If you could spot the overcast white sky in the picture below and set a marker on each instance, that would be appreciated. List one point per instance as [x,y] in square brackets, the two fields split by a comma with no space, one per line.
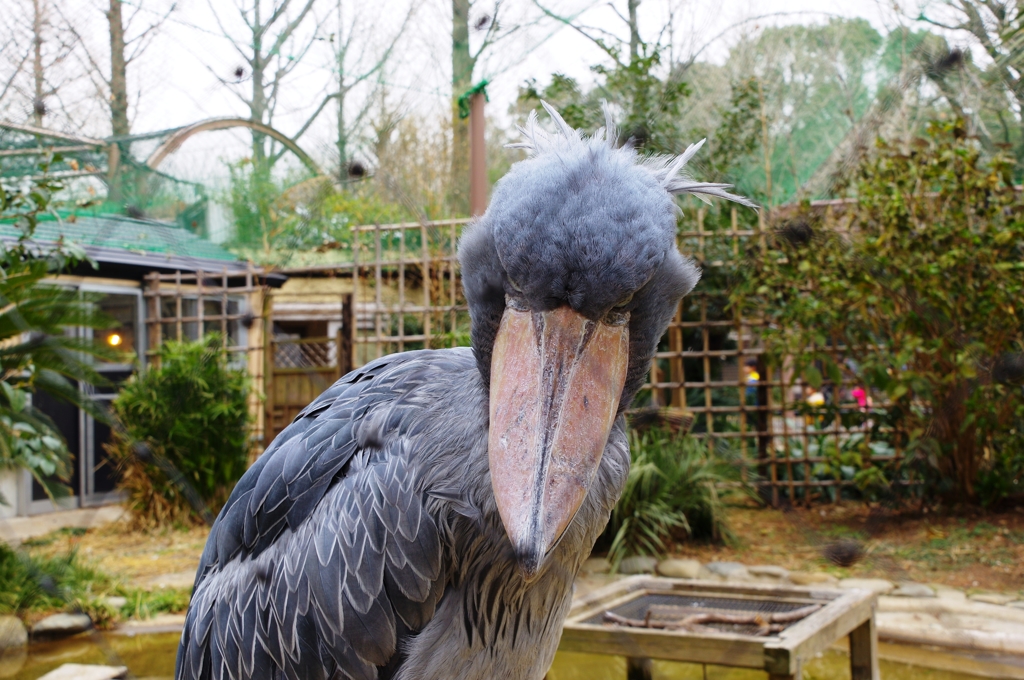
[179,79]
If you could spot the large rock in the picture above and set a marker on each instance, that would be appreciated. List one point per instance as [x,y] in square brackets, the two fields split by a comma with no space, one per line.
[638,564]
[78,671]
[769,571]
[812,578]
[875,585]
[12,633]
[730,571]
[679,568]
[913,590]
[61,625]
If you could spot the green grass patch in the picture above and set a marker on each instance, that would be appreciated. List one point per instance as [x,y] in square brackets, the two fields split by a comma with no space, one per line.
[33,584]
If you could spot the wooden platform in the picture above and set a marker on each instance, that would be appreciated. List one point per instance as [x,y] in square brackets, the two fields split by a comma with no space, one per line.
[781,653]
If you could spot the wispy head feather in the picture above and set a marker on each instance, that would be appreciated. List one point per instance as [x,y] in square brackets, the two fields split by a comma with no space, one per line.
[669,171]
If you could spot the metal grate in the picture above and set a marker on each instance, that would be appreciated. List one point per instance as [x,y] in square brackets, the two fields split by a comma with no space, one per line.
[656,605]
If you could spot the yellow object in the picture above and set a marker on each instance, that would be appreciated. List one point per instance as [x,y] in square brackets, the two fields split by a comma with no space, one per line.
[114,339]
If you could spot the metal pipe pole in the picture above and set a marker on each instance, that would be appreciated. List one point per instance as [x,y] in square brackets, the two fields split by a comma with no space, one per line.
[477,156]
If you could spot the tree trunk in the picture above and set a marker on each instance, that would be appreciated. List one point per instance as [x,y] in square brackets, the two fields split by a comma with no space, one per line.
[342,132]
[342,135]
[258,103]
[118,97]
[634,32]
[38,103]
[462,80]
[118,73]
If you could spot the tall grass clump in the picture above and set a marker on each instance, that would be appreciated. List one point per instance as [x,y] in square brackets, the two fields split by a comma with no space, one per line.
[44,583]
[191,414]
[671,492]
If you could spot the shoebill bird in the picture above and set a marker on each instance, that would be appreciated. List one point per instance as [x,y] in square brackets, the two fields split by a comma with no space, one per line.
[425,516]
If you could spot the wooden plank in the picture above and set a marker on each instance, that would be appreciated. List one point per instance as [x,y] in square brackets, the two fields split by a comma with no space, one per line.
[818,631]
[723,650]
[639,669]
[610,592]
[760,590]
[864,651]
[603,606]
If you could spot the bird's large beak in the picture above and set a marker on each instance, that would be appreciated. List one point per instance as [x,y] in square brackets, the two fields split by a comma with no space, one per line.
[556,380]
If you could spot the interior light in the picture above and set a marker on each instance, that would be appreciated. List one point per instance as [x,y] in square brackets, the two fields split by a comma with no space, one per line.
[114,339]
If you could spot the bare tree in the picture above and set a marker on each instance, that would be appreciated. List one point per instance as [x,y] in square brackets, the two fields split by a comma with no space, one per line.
[998,26]
[271,47]
[129,37]
[36,50]
[361,46]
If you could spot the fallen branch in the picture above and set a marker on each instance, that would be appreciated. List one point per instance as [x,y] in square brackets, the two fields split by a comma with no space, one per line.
[766,623]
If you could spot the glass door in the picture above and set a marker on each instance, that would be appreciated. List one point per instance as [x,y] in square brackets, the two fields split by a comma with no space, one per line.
[98,474]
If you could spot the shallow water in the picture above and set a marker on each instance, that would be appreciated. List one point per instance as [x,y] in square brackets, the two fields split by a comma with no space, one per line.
[152,656]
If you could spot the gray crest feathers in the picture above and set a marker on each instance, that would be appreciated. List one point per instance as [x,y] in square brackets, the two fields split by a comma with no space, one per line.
[669,171]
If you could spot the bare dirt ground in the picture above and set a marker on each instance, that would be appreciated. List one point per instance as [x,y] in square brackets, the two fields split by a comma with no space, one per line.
[973,550]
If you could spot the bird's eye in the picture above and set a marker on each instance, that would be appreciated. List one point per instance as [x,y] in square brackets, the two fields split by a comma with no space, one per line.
[516,302]
[515,286]
[622,305]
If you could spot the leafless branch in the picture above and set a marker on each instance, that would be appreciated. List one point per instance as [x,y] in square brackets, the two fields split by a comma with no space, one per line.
[582,31]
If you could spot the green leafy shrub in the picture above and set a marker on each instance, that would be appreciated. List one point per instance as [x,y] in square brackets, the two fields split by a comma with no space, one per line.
[671,491]
[191,411]
[924,295]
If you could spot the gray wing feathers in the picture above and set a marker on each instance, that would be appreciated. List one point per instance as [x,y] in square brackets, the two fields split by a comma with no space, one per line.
[355,553]
[368,552]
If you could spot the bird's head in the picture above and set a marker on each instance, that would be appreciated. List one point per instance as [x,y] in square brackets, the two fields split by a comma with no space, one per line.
[572,276]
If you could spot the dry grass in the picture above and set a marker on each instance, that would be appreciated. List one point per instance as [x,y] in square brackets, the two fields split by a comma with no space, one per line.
[141,558]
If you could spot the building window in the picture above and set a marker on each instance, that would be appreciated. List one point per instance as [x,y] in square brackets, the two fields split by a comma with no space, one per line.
[124,336]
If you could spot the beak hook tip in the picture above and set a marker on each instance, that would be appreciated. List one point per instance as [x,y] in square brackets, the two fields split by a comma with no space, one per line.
[529,563]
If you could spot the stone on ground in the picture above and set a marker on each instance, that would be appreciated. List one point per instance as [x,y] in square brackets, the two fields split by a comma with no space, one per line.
[115,601]
[61,625]
[876,585]
[1019,604]
[944,592]
[730,571]
[993,598]
[769,571]
[596,565]
[812,578]
[679,568]
[78,671]
[12,633]
[638,564]
[913,590]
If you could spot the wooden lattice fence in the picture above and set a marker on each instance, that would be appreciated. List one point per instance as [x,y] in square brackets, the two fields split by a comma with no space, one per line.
[407,294]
